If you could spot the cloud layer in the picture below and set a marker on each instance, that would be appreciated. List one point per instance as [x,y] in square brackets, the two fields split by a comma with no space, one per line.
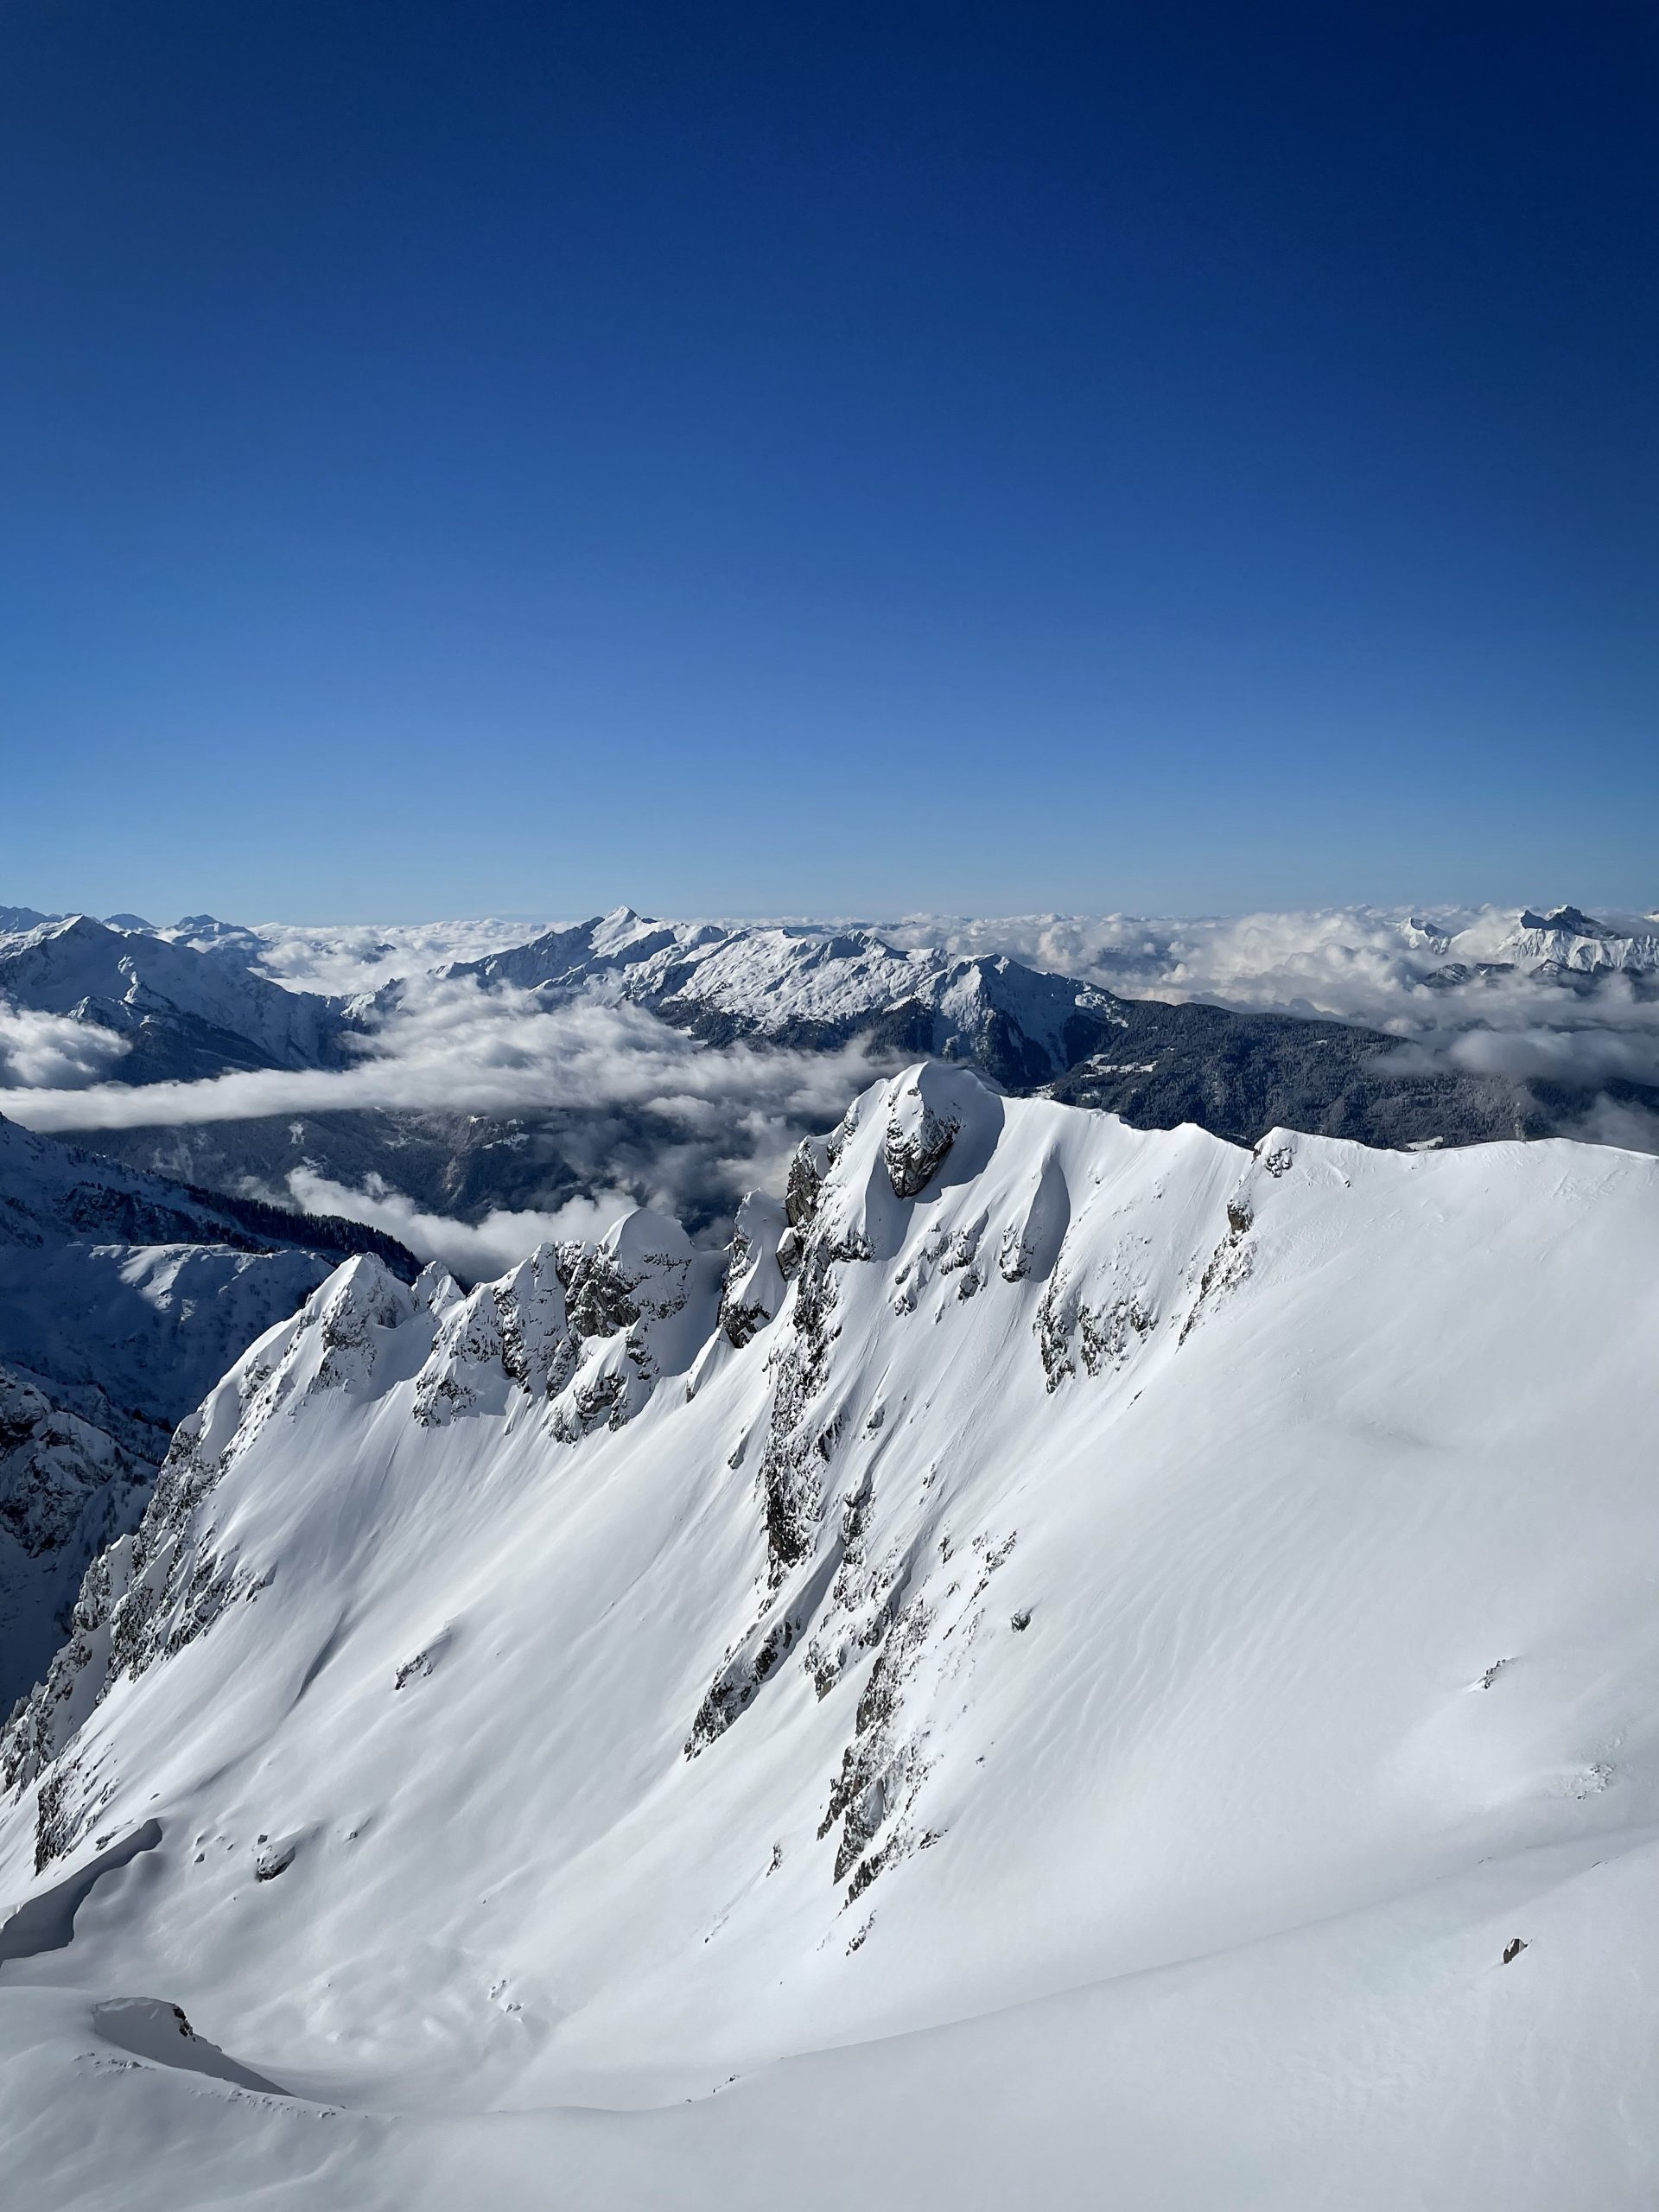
[455,1047]
[48,1050]
[472,1251]
[631,1110]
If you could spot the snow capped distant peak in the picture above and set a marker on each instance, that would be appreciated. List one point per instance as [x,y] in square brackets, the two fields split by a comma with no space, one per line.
[1570,919]
[182,1011]
[1567,937]
[17,921]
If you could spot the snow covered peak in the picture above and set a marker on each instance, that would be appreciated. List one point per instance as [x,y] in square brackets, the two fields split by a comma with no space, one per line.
[816,989]
[645,1241]
[1062,1566]
[181,1012]
[1564,937]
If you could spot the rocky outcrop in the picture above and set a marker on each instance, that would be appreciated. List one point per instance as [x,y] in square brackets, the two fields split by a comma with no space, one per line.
[918,1138]
[753,1287]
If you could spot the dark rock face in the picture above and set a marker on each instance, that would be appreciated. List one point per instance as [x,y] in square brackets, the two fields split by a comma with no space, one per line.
[53,1468]
[916,1149]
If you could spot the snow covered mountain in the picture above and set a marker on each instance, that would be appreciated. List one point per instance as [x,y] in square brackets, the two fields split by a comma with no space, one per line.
[1156,1063]
[55,1193]
[123,1299]
[169,1011]
[1088,1666]
[437,1104]
[817,989]
[1564,938]
[1355,963]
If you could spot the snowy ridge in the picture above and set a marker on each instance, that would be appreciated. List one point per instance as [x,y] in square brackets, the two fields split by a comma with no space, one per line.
[1056,1558]
[1567,938]
[815,988]
[172,1009]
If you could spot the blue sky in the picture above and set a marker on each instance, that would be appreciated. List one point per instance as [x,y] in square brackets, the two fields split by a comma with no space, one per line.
[834,459]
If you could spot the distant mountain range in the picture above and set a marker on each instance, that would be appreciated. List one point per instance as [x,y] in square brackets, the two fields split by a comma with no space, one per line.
[189,1002]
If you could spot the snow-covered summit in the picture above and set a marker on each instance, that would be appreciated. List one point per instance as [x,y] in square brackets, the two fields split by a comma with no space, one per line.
[1134,1619]
[1564,937]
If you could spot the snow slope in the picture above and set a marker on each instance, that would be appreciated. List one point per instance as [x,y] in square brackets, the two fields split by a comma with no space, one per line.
[123,1298]
[1059,1681]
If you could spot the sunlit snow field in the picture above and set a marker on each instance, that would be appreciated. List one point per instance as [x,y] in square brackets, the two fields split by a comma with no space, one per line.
[1074,1707]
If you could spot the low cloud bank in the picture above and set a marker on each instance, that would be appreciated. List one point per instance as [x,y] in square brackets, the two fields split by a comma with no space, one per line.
[1388,969]
[49,1050]
[474,1250]
[619,1108]
[1353,963]
[622,1110]
[454,1047]
[344,961]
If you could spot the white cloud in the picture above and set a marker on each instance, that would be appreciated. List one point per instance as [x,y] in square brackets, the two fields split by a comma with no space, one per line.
[637,1111]
[347,959]
[54,1050]
[474,1250]
[1371,965]
[455,1047]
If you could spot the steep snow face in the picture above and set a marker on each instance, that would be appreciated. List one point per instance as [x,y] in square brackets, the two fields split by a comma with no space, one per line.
[105,1347]
[123,1298]
[1198,1598]
[181,1011]
[51,1191]
[129,1293]
[141,1330]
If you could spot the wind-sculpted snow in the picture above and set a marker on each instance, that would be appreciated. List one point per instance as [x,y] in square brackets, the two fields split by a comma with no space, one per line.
[585,1330]
[1195,1597]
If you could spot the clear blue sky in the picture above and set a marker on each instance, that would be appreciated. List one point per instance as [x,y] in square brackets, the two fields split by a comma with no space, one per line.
[518,457]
